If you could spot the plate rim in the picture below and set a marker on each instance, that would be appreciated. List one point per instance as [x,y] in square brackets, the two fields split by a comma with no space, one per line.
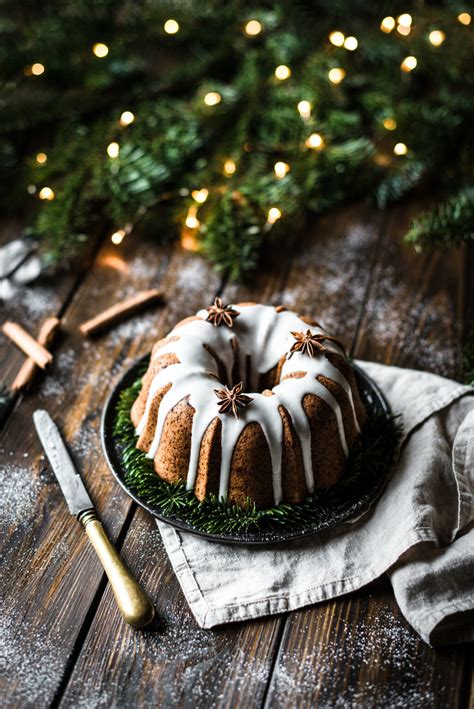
[106,434]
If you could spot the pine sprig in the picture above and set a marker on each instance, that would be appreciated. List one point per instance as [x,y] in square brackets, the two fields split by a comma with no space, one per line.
[399,183]
[449,224]
[367,462]
[178,143]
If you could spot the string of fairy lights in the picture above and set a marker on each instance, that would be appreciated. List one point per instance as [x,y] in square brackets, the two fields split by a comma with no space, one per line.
[403,25]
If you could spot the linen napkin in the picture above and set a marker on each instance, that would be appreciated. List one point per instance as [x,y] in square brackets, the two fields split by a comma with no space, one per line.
[419,532]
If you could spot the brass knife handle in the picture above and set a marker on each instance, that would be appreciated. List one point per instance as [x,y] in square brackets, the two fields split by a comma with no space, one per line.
[134,605]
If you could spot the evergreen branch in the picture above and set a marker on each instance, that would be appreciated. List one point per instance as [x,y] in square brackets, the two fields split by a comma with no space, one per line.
[179,143]
[449,224]
[399,183]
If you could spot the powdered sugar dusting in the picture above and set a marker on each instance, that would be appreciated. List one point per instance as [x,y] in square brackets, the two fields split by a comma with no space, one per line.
[193,284]
[384,647]
[35,301]
[335,266]
[417,329]
[32,661]
[138,326]
[177,659]
[194,275]
[19,490]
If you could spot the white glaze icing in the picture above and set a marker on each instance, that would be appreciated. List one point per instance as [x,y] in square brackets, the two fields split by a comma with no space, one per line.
[264,334]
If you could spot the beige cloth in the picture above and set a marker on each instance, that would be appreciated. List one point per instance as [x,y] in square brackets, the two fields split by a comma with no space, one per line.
[419,532]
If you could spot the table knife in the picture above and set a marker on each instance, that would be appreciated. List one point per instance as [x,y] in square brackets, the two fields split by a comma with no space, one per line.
[133,603]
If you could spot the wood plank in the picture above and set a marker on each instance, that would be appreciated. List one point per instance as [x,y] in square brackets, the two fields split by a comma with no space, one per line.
[325,275]
[51,574]
[230,666]
[176,663]
[32,303]
[415,311]
[358,650]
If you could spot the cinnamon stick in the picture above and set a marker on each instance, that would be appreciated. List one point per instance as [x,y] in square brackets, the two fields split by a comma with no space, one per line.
[27,344]
[119,311]
[28,368]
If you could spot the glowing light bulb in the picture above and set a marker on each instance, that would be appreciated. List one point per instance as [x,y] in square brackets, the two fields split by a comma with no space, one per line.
[253,28]
[200,196]
[387,24]
[41,158]
[192,222]
[437,37]
[229,167]
[35,69]
[404,30]
[464,18]
[336,75]
[400,149]
[113,150]
[282,72]
[280,169]
[304,109]
[118,236]
[390,124]
[100,50]
[408,64]
[382,159]
[171,27]
[189,242]
[212,98]
[405,20]
[274,214]
[31,189]
[351,43]
[314,141]
[337,38]
[126,118]
[46,193]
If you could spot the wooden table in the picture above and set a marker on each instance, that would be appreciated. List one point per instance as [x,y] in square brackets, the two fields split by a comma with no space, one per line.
[64,641]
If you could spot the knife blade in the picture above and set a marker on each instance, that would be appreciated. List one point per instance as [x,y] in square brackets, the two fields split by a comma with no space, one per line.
[132,601]
[69,480]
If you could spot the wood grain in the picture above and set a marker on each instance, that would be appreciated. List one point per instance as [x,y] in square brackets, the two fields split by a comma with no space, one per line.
[176,663]
[53,576]
[359,650]
[325,275]
[236,671]
[414,313]
[31,304]
[65,641]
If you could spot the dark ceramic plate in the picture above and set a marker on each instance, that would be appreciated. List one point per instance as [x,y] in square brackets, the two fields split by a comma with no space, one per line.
[334,512]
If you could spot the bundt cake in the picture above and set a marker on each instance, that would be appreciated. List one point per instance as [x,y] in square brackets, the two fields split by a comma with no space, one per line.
[248,402]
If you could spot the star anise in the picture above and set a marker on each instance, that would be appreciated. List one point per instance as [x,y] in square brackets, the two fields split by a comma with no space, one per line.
[232,399]
[310,342]
[220,313]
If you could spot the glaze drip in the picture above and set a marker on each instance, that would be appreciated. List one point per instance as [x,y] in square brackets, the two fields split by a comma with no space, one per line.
[265,335]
